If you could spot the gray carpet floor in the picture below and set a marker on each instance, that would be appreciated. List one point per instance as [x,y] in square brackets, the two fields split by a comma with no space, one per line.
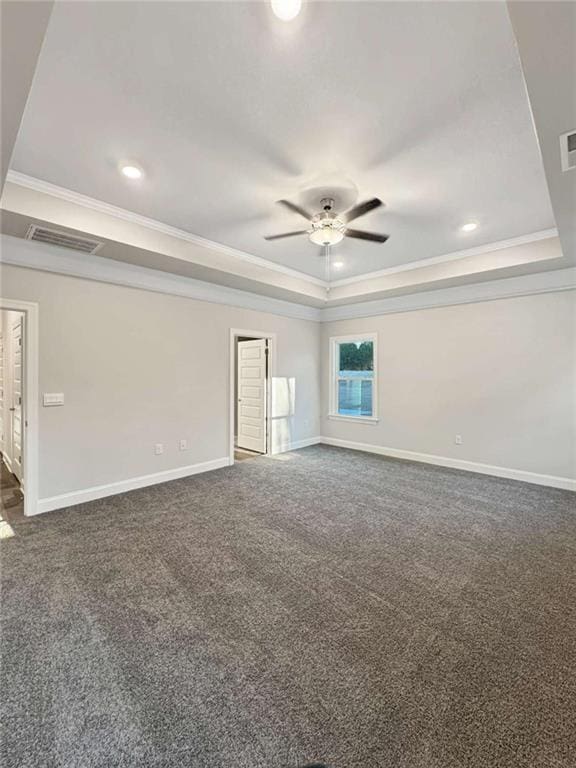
[324,605]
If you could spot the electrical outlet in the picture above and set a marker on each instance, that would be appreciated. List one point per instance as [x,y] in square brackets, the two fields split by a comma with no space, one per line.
[183,444]
[458,439]
[158,449]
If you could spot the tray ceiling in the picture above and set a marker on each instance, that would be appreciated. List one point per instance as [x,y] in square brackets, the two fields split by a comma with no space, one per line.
[228,109]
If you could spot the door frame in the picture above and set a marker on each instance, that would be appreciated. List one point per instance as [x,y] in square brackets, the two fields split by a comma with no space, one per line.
[30,443]
[271,339]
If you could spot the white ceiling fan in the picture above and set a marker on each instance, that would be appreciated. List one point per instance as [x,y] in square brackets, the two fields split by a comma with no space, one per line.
[327,227]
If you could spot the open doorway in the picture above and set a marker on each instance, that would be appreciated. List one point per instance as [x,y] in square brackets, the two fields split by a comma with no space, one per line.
[12,362]
[251,373]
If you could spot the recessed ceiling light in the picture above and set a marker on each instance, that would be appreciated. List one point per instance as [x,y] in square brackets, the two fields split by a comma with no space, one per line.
[286,10]
[338,264]
[469,227]
[131,172]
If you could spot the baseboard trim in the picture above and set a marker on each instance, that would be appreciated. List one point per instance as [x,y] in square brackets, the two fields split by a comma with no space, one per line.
[565,483]
[294,445]
[111,489]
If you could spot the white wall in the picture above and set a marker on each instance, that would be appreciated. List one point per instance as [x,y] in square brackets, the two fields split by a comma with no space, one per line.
[500,373]
[139,368]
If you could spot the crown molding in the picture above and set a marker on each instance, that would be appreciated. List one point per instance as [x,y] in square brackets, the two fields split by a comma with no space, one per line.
[472,293]
[45,187]
[23,253]
[479,250]
[38,185]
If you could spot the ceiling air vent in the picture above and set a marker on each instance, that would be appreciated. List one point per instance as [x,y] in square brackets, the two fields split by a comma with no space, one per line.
[568,150]
[62,239]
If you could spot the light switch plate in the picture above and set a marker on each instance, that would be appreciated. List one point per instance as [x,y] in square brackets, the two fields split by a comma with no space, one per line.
[53,398]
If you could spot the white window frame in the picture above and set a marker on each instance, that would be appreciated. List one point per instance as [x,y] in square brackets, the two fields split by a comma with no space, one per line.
[335,341]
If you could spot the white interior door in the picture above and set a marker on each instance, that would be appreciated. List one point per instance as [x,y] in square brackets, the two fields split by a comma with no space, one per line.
[16,392]
[2,435]
[252,379]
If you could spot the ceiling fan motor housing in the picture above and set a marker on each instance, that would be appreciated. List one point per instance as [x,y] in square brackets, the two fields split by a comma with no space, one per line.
[327,203]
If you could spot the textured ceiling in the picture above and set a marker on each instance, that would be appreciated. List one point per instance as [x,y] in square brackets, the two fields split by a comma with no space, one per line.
[228,109]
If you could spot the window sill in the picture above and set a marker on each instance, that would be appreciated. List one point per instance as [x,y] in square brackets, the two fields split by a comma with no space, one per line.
[354,419]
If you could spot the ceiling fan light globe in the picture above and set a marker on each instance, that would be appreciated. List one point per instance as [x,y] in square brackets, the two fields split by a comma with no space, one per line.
[286,10]
[326,236]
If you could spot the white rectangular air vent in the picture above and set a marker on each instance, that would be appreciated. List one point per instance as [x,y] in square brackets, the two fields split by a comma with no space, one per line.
[568,150]
[62,239]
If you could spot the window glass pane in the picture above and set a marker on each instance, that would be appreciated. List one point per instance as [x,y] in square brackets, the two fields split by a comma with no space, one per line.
[355,397]
[355,375]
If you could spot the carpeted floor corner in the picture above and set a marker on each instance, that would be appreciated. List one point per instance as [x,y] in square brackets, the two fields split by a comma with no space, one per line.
[320,606]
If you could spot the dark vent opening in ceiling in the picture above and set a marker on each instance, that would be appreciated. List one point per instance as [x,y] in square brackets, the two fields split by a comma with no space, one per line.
[61,239]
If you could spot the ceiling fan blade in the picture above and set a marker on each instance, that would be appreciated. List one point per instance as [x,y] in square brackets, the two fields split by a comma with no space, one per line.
[286,234]
[362,208]
[295,208]
[359,235]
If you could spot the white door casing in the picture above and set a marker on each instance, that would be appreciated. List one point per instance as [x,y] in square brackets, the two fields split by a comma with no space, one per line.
[30,313]
[16,396]
[252,394]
